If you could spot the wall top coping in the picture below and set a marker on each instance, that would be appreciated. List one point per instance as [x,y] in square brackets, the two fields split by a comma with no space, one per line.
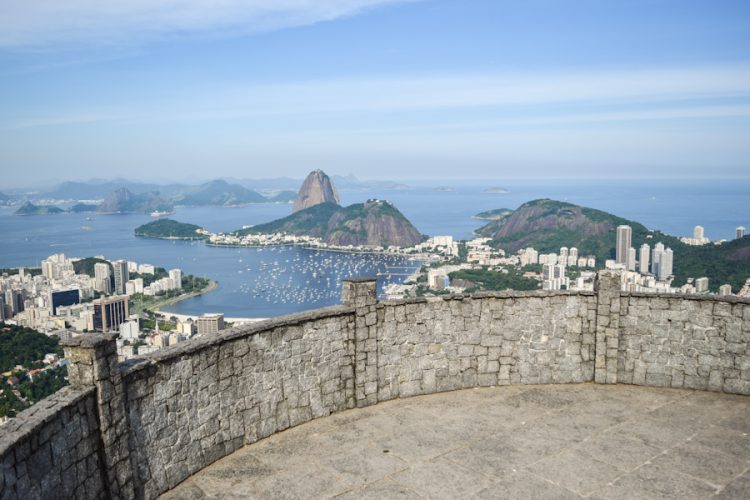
[505,294]
[364,279]
[89,340]
[28,421]
[200,343]
[688,296]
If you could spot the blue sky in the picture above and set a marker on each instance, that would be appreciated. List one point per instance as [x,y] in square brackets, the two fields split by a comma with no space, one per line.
[179,90]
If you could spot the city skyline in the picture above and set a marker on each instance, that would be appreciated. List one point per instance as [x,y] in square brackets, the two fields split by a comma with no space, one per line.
[377,88]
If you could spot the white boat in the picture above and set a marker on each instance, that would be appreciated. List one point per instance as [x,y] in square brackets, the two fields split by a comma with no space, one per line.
[157,213]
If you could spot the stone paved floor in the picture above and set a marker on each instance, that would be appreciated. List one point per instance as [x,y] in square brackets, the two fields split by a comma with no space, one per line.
[512,442]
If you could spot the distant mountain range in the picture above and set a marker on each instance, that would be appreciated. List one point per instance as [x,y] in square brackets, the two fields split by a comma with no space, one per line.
[121,195]
[546,225]
[222,193]
[98,189]
[123,201]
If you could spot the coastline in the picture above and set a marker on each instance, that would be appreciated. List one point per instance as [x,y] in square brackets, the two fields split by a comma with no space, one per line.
[174,238]
[212,285]
[185,317]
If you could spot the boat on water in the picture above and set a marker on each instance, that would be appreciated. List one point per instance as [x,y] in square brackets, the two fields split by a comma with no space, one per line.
[157,213]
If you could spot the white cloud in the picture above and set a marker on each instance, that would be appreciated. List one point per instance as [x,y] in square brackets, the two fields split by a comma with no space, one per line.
[384,105]
[473,91]
[45,23]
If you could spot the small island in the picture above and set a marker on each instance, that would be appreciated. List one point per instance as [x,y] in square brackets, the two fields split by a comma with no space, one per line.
[168,229]
[29,208]
[82,207]
[496,190]
[496,214]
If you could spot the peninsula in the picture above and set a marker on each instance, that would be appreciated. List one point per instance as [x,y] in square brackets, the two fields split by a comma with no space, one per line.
[168,229]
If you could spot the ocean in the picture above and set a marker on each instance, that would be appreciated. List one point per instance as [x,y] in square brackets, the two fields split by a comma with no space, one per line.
[280,280]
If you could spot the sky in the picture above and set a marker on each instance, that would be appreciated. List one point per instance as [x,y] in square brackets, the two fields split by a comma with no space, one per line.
[176,90]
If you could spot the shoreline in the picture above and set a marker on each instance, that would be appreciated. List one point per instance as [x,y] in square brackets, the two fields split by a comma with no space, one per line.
[172,238]
[194,317]
[157,308]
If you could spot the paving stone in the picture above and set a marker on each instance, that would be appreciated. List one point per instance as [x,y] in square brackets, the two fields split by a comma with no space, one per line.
[576,471]
[522,485]
[440,479]
[655,482]
[707,464]
[380,490]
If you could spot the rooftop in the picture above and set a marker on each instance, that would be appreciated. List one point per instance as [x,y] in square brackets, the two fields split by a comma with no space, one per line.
[563,441]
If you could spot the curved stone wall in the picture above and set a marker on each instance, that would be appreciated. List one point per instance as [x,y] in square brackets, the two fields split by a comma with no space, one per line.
[165,416]
[53,449]
[200,401]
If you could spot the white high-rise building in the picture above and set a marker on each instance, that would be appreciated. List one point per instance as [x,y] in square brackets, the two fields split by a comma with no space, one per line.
[644,258]
[701,285]
[624,237]
[102,281]
[666,264]
[121,275]
[725,289]
[176,276]
[698,233]
[661,261]
[631,259]
[529,256]
[740,232]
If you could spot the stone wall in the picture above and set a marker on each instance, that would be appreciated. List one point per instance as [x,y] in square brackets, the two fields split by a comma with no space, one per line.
[52,450]
[492,339]
[196,403]
[156,420]
[688,342]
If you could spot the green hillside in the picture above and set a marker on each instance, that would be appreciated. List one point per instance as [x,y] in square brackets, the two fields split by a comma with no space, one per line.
[374,223]
[169,229]
[547,225]
[312,221]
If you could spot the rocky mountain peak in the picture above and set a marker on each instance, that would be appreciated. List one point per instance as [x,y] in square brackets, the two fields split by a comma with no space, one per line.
[317,188]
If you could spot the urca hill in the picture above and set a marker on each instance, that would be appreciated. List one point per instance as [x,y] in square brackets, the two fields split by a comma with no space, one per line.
[318,214]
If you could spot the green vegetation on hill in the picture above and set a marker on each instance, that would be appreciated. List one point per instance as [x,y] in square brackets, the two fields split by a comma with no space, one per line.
[45,383]
[486,279]
[169,229]
[311,221]
[82,207]
[24,346]
[31,271]
[547,225]
[496,214]
[372,223]
[29,208]
[86,266]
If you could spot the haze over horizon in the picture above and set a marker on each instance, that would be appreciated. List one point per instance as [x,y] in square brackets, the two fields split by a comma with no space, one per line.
[382,89]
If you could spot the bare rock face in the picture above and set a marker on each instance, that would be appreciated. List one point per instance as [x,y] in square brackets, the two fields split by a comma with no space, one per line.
[373,223]
[316,189]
